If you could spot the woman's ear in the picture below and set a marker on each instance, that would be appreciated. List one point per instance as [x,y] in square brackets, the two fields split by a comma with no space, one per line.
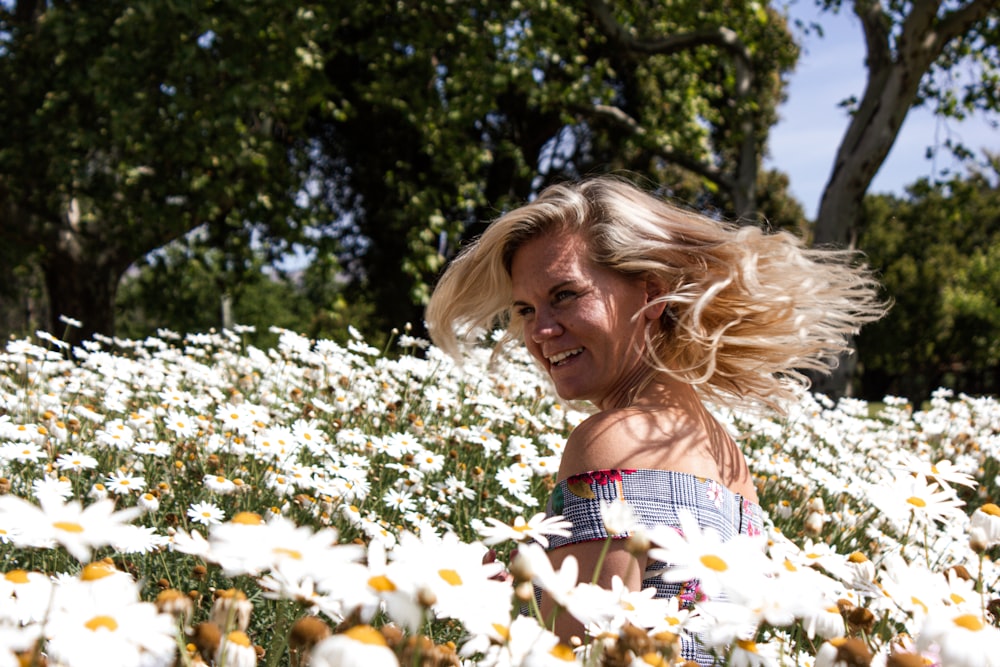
[655,291]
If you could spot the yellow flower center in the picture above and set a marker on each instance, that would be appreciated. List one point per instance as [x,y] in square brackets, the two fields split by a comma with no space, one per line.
[232,593]
[991,509]
[95,571]
[916,502]
[68,526]
[105,622]
[655,659]
[713,562]
[291,553]
[747,645]
[563,652]
[502,631]
[969,622]
[366,634]
[451,576]
[237,637]
[247,519]
[857,557]
[16,576]
[382,584]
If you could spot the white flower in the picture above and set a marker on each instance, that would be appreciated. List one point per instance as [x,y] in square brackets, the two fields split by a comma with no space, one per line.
[913,496]
[737,567]
[987,519]
[360,646]
[193,543]
[963,639]
[76,528]
[401,501]
[219,484]
[180,423]
[95,627]
[76,461]
[121,483]
[248,545]
[536,528]
[236,650]
[60,488]
[205,513]
[24,596]
[148,502]
[447,574]
[139,539]
[619,518]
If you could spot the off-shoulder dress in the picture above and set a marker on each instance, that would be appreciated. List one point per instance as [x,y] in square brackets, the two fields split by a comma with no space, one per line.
[655,496]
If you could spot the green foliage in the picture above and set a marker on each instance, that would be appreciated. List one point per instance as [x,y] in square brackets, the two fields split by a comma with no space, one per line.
[135,122]
[452,111]
[182,289]
[938,254]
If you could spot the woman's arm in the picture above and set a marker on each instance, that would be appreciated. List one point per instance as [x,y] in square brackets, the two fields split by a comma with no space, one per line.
[618,561]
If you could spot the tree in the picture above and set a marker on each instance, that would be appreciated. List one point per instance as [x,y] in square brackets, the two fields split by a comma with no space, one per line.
[451,111]
[129,123]
[938,253]
[918,53]
[181,288]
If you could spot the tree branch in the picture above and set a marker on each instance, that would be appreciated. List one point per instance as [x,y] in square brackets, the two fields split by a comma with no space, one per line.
[720,36]
[623,120]
[875,25]
[742,183]
[957,22]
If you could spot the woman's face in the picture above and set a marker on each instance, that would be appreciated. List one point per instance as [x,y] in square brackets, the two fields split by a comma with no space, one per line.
[578,318]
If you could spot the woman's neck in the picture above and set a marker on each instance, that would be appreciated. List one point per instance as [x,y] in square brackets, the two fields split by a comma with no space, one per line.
[647,387]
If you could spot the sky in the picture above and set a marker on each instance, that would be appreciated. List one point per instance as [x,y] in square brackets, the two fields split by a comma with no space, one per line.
[830,69]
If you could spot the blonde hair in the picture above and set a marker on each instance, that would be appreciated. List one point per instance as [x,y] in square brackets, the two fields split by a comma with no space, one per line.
[746,311]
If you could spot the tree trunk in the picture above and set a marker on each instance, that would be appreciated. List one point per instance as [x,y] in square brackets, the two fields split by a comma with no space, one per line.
[892,88]
[83,289]
[893,84]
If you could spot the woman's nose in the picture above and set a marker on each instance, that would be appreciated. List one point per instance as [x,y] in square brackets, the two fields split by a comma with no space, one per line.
[544,326]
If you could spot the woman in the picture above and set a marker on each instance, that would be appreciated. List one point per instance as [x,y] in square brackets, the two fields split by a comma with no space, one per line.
[645,310]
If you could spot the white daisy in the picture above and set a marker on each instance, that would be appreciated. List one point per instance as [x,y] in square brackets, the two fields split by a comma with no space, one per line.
[76,461]
[536,528]
[76,528]
[121,483]
[205,513]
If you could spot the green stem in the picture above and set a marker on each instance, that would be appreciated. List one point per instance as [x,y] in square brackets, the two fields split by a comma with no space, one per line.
[982,587]
[280,637]
[600,560]
[185,659]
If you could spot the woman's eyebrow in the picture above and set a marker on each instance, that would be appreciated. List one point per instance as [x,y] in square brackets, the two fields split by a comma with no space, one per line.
[552,290]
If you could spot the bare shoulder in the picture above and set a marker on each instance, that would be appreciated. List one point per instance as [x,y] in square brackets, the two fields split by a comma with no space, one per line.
[621,438]
[658,439]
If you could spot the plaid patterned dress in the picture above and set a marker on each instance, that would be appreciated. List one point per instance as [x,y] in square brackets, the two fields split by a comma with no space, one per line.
[655,497]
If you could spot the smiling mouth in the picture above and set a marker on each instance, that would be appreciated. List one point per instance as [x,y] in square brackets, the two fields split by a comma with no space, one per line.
[560,357]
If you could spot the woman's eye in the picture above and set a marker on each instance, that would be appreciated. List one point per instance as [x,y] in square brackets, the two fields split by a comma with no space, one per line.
[525,311]
[562,296]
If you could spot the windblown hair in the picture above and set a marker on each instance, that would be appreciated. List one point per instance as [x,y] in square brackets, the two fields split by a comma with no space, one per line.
[746,311]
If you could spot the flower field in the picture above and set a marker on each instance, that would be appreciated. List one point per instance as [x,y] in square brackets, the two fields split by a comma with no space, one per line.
[193,500]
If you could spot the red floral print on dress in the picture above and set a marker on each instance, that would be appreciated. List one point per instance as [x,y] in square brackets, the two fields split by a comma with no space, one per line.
[600,477]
